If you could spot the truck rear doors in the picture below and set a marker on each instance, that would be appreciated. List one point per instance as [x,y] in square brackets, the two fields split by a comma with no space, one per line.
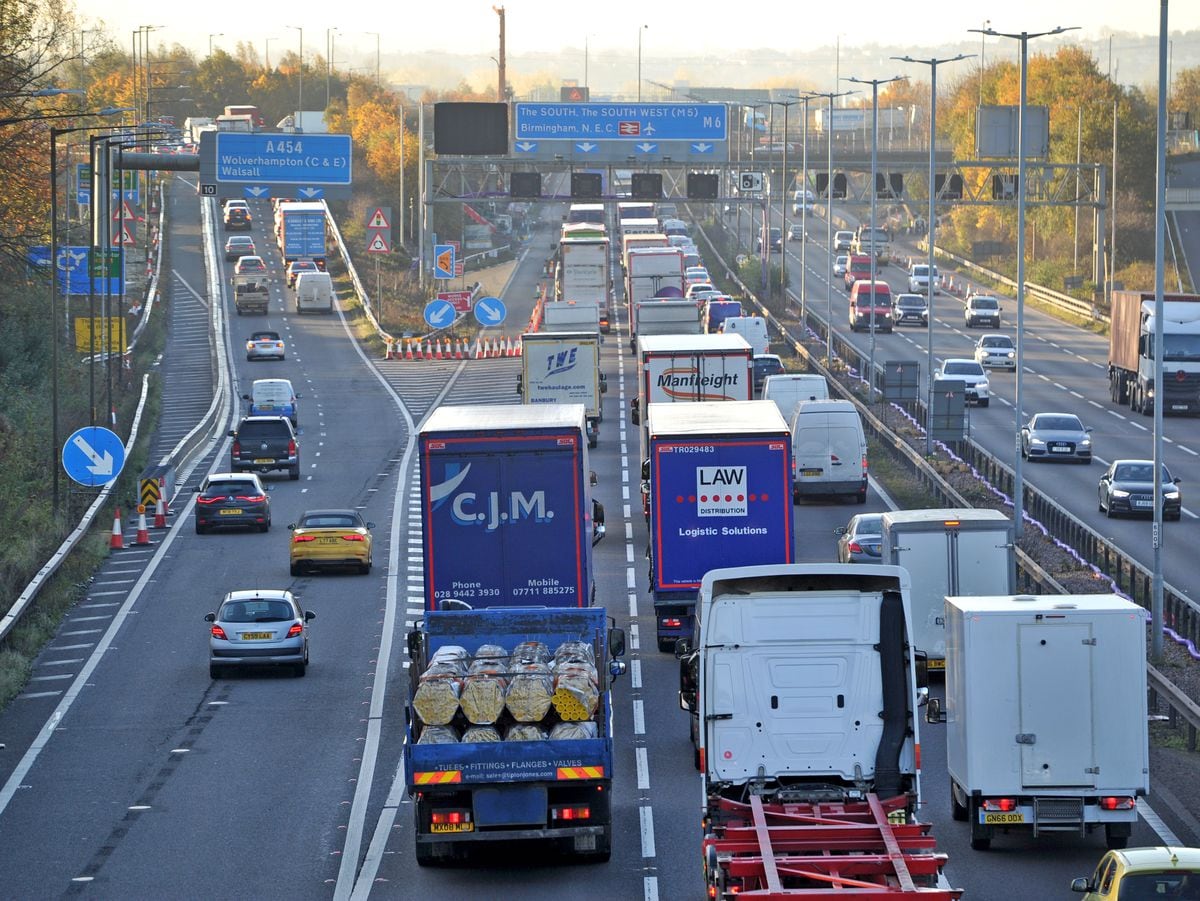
[1056,739]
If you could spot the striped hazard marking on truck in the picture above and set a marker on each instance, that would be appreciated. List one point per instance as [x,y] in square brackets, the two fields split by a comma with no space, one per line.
[581,772]
[442,777]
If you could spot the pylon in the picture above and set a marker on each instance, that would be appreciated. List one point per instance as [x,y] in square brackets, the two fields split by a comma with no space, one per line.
[387,354]
[520,346]
[487,348]
[418,355]
[408,353]
[160,514]
[117,541]
[508,347]
[458,351]
[478,350]
[428,350]
[437,350]
[143,534]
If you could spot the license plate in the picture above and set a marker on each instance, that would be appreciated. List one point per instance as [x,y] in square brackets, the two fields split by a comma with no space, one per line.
[443,828]
[936,663]
[255,636]
[811,472]
[266,406]
[1060,450]
[1141,503]
[1003,819]
[327,541]
[1179,406]
[263,460]
[231,512]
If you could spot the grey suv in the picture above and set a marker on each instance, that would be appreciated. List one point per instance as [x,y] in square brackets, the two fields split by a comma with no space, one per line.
[264,443]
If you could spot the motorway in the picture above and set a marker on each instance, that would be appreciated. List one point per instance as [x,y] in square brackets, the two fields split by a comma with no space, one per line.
[129,773]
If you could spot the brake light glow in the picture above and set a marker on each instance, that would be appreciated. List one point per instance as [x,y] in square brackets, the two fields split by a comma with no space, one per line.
[299,539]
[354,537]
[672,622]
[450,816]
[237,448]
[208,501]
[570,813]
[1004,805]
[218,632]
[855,548]
[295,630]
[251,498]
[292,448]
[1116,803]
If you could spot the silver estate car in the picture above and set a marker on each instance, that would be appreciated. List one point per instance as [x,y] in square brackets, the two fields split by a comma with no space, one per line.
[259,627]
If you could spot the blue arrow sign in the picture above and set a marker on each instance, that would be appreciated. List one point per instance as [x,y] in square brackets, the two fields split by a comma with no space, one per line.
[586,146]
[311,193]
[621,121]
[645,147]
[526,147]
[439,313]
[269,158]
[702,147]
[93,456]
[256,192]
[490,311]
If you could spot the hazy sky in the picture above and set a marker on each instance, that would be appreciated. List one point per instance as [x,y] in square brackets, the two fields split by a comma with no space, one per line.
[611,26]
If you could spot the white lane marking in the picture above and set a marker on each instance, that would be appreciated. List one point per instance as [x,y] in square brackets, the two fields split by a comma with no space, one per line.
[1115,413]
[630,578]
[1154,821]
[643,769]
[635,674]
[1187,450]
[639,717]
[1076,394]
[633,607]
[29,695]
[1096,405]
[52,678]
[635,641]
[71,647]
[646,815]
[629,552]
[1138,425]
[60,662]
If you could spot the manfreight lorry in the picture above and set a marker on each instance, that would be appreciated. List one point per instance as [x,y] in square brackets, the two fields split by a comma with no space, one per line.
[251,293]
[583,275]
[506,509]
[300,228]
[653,272]
[1131,363]
[500,744]
[571,316]
[720,477]
[1045,714]
[803,687]
[564,368]
[663,317]
[960,551]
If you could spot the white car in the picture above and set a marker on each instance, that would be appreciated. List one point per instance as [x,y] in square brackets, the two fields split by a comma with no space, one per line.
[842,240]
[839,264]
[996,350]
[698,289]
[971,373]
[918,279]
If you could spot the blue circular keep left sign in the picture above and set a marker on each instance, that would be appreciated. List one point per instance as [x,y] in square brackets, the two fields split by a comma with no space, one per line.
[93,456]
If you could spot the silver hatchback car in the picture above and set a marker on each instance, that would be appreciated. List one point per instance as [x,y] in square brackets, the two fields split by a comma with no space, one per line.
[259,627]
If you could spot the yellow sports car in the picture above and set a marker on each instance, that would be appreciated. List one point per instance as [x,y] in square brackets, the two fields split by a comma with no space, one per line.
[330,538]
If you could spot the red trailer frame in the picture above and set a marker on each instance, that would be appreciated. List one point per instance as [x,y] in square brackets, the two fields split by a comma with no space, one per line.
[867,849]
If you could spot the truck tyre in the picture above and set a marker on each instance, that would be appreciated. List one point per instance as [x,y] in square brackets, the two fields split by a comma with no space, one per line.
[294,473]
[426,854]
[295,569]
[981,836]
[860,498]
[958,812]
[666,645]
[1116,836]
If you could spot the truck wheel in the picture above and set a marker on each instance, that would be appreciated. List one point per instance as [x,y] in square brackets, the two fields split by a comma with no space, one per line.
[426,854]
[294,473]
[958,812]
[860,498]
[666,645]
[1116,836]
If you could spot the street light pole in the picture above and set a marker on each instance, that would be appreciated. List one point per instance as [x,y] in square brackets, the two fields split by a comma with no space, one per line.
[300,86]
[931,228]
[377,80]
[639,88]
[218,34]
[1024,37]
[329,33]
[1160,199]
[874,83]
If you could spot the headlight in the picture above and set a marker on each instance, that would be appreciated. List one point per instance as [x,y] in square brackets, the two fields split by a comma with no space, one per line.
[1086,442]
[1171,494]
[1037,441]
[1120,492]
[1011,354]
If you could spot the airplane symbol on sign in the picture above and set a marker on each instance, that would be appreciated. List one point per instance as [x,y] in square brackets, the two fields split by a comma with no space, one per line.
[629,128]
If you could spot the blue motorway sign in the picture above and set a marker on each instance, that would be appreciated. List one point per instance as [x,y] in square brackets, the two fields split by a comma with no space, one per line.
[588,122]
[439,313]
[83,183]
[73,268]
[268,158]
[490,311]
[93,456]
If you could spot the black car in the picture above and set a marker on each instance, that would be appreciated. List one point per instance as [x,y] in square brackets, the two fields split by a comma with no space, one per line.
[774,239]
[765,365]
[232,499]
[1127,486]
[265,443]
[910,308]
[237,218]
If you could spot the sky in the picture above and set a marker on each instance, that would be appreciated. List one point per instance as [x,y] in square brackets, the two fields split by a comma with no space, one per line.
[611,28]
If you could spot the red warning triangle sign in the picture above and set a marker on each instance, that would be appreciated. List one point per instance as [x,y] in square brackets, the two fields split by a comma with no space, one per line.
[125,236]
[125,211]
[378,219]
[378,243]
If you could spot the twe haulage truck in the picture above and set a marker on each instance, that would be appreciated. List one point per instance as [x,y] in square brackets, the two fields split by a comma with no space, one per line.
[509,729]
[564,368]
[803,687]
[1131,357]
[962,551]
[1045,714]
[506,511]
[720,495]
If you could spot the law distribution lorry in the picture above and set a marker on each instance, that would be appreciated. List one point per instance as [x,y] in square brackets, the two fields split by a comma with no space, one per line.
[510,779]
[564,368]
[961,551]
[506,510]
[1045,714]
[720,478]
[584,275]
[803,688]
[300,229]
[1130,356]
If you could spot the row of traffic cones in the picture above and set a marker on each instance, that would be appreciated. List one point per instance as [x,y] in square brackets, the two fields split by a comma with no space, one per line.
[117,541]
[452,349]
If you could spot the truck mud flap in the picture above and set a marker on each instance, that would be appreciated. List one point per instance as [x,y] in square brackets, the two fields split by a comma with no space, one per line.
[896,711]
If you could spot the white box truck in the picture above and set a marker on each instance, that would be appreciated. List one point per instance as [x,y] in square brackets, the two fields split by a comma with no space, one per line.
[583,274]
[959,551]
[571,316]
[663,317]
[563,368]
[1045,714]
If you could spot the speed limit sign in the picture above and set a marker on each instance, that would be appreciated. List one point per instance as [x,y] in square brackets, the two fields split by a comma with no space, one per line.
[750,182]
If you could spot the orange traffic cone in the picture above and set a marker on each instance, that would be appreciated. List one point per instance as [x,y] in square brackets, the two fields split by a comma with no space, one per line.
[143,534]
[487,348]
[418,355]
[160,514]
[408,353]
[437,350]
[520,346]
[117,541]
[387,354]
[509,350]
[458,351]
[478,350]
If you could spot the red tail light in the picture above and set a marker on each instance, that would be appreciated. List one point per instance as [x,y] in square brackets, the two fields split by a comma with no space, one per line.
[291,448]
[854,547]
[570,813]
[354,537]
[208,501]
[237,448]
[450,816]
[218,632]
[295,630]
[1117,803]
[1004,805]
[672,622]
[299,539]
[864,462]
[252,498]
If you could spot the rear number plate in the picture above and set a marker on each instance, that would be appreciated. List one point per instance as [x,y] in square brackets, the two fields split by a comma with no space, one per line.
[263,460]
[1003,819]
[255,636]
[451,827]
[936,663]
[231,512]
[810,472]
[327,541]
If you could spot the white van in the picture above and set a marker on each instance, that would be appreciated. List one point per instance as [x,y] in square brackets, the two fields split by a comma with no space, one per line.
[314,291]
[829,450]
[752,328]
[789,388]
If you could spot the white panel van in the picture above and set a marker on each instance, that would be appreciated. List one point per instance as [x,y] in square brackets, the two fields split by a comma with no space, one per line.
[789,388]
[829,450]
[752,328]
[314,291]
